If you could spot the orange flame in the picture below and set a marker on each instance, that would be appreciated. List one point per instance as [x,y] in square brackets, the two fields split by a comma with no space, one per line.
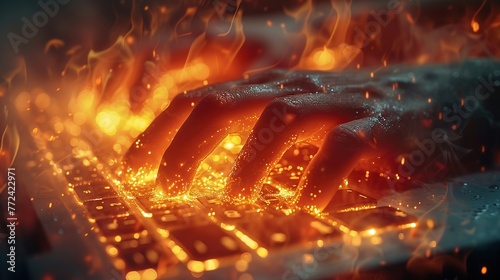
[9,143]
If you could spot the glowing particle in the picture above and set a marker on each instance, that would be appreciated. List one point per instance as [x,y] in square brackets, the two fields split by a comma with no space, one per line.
[112,251]
[484,270]
[278,237]
[133,275]
[211,264]
[22,102]
[324,58]
[149,274]
[262,252]
[196,266]
[42,101]
[241,265]
[474,23]
[130,40]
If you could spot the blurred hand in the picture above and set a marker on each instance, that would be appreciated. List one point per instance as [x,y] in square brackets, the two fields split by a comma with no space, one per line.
[351,115]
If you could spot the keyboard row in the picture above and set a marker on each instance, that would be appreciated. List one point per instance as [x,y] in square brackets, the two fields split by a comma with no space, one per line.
[207,229]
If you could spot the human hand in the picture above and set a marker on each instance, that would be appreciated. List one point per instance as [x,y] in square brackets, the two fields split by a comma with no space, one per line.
[353,116]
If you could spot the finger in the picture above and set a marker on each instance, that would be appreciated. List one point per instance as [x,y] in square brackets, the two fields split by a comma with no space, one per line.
[343,147]
[146,150]
[282,123]
[213,119]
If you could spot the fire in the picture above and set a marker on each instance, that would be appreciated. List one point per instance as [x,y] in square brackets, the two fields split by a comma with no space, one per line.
[100,100]
[103,99]
[120,89]
[9,143]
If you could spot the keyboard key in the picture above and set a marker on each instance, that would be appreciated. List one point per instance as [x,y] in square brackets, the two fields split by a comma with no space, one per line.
[108,207]
[82,174]
[132,242]
[120,226]
[269,195]
[179,218]
[93,191]
[349,200]
[210,202]
[295,229]
[239,212]
[153,206]
[232,213]
[146,256]
[375,218]
[206,242]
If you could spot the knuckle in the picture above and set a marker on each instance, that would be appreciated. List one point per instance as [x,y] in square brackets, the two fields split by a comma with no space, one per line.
[217,101]
[306,83]
[345,134]
[349,137]
[288,103]
[284,109]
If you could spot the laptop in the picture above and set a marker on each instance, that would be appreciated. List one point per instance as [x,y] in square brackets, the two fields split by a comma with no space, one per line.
[75,218]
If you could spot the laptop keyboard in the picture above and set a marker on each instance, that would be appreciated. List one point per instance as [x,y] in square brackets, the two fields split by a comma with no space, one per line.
[145,232]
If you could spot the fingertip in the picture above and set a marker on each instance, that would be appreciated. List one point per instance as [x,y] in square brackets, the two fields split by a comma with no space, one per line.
[237,192]
[314,198]
[172,187]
